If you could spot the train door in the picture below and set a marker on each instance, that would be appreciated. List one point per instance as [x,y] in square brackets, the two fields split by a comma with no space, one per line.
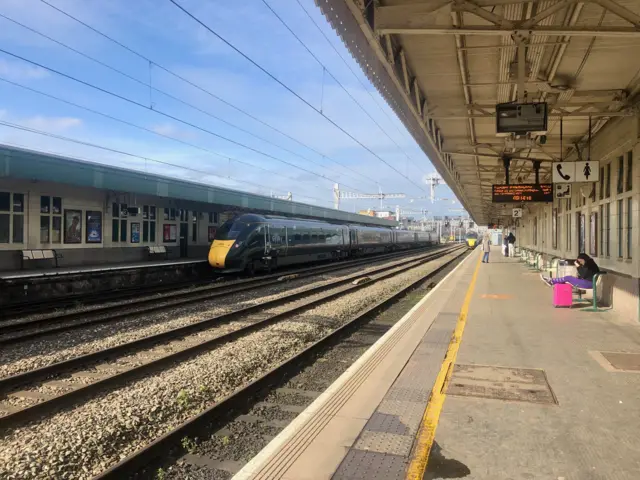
[184,233]
[267,239]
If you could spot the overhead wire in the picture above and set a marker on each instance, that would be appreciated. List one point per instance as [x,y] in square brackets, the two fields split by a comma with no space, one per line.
[25,128]
[204,90]
[326,69]
[155,110]
[145,129]
[173,97]
[290,90]
[351,69]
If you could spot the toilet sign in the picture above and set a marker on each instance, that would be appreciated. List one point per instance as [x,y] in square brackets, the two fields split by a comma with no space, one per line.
[517,213]
[575,172]
[587,172]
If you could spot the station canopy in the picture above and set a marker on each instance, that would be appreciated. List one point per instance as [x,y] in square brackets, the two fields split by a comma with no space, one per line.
[444,65]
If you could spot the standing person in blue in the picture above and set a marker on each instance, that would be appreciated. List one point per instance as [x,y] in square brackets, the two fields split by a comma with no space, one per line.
[486,247]
[587,268]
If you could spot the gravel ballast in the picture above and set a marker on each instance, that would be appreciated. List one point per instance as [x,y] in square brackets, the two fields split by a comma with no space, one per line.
[55,348]
[83,441]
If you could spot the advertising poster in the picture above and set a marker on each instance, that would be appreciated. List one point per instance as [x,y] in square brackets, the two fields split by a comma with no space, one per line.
[94,227]
[73,226]
[135,232]
[169,233]
[212,233]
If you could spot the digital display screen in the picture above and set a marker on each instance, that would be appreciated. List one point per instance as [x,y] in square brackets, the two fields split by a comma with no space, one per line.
[522,193]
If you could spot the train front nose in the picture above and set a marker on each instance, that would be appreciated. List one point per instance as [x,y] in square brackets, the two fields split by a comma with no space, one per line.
[219,253]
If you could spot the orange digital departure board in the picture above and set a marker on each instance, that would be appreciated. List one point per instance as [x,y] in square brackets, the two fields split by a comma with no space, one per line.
[522,193]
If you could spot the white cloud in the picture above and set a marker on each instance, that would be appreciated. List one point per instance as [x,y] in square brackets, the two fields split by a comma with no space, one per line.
[21,71]
[51,124]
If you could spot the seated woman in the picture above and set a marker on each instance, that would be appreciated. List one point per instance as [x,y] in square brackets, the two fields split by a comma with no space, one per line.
[587,268]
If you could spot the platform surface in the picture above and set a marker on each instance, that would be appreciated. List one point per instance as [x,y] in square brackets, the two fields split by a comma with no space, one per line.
[80,269]
[504,431]
[535,393]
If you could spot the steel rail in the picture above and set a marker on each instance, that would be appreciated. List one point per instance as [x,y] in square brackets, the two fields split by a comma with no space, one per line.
[69,398]
[215,415]
[115,312]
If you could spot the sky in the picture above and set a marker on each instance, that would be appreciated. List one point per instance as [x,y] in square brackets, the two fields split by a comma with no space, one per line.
[166,96]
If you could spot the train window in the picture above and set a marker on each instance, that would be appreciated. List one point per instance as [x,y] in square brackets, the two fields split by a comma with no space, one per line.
[152,232]
[166,214]
[230,230]
[321,238]
[145,212]
[297,238]
[305,238]
[145,231]
[152,212]
[314,238]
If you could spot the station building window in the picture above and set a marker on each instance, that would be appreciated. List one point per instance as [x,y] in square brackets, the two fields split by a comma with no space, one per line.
[620,183]
[629,227]
[50,219]
[620,228]
[148,224]
[213,225]
[119,222]
[607,230]
[629,184]
[601,196]
[11,217]
[568,223]
[607,185]
[170,214]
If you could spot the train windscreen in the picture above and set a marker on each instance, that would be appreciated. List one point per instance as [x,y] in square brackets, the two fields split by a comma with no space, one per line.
[472,235]
[230,230]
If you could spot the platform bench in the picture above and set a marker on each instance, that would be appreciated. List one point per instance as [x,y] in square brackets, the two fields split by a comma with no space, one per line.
[32,255]
[597,285]
[158,250]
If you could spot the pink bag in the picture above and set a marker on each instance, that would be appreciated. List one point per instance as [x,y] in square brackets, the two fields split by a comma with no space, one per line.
[562,295]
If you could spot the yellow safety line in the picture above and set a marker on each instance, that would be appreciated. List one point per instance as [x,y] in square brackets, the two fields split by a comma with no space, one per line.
[427,431]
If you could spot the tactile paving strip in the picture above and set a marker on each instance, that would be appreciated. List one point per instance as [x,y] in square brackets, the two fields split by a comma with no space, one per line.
[384,446]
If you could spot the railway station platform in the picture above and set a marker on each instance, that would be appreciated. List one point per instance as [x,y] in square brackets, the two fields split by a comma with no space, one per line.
[86,269]
[25,286]
[483,379]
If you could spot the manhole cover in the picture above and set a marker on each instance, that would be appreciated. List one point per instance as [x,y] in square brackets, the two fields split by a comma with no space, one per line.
[623,361]
[501,383]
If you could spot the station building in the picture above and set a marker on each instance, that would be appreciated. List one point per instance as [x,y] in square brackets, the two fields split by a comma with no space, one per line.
[451,69]
[94,214]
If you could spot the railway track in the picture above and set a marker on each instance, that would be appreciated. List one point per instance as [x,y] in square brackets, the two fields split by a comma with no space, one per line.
[31,307]
[62,384]
[143,463]
[19,309]
[17,332]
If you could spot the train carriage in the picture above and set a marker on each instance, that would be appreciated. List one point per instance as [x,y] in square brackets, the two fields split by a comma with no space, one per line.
[250,242]
[471,239]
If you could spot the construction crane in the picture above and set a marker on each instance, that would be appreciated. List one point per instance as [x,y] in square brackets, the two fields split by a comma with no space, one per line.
[340,195]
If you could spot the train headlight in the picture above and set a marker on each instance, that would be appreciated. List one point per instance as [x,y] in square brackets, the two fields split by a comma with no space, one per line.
[238,244]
